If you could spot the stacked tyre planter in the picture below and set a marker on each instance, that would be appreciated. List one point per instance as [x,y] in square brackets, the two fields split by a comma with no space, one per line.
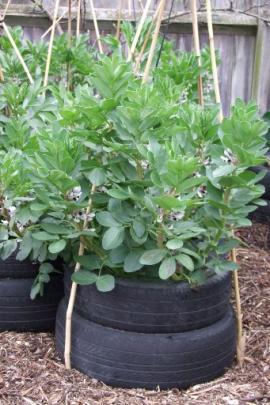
[262,214]
[18,312]
[149,334]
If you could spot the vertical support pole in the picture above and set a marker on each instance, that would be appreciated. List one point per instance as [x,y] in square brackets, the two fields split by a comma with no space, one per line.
[154,41]
[197,49]
[49,56]
[240,336]
[96,26]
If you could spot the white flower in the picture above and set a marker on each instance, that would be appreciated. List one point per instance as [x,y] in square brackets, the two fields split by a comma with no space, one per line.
[11,210]
[202,192]
[228,157]
[75,194]
[177,216]
[144,164]
[4,222]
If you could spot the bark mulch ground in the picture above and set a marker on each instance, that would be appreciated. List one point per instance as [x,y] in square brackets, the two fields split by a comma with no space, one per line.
[31,372]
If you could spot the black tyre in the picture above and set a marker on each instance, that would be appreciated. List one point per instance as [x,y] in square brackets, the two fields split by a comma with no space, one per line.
[13,268]
[154,307]
[19,313]
[144,360]
[265,181]
[262,214]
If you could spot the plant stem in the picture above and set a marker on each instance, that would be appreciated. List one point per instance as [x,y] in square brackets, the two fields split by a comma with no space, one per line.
[73,291]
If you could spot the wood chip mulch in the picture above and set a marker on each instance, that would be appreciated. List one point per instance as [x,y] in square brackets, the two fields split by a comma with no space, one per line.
[31,372]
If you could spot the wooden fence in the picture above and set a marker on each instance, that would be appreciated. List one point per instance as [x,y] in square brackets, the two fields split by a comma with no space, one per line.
[242,36]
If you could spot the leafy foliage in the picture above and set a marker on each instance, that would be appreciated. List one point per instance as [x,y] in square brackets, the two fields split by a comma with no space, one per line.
[170,182]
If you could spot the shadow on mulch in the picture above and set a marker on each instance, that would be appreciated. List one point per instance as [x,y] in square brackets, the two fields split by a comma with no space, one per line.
[31,372]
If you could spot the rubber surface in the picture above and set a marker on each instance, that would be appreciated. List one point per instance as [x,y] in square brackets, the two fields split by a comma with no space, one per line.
[154,307]
[262,214]
[265,181]
[19,313]
[13,268]
[139,360]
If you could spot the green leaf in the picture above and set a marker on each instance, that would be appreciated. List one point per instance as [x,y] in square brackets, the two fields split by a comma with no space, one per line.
[46,268]
[118,255]
[55,228]
[105,283]
[112,238]
[97,176]
[8,247]
[105,218]
[38,207]
[118,194]
[186,261]
[138,228]
[57,246]
[169,202]
[167,268]
[153,256]
[84,277]
[132,261]
[35,290]
[25,247]
[44,236]
[3,233]
[174,244]
[223,171]
[226,247]
[89,262]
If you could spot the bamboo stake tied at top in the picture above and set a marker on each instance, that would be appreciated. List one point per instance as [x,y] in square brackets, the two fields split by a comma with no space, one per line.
[139,30]
[119,17]
[96,26]
[240,335]
[48,61]
[146,39]
[78,19]
[57,21]
[18,53]
[196,39]
[154,41]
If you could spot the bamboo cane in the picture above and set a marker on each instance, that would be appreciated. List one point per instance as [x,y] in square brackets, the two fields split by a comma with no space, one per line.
[72,297]
[213,56]
[129,8]
[1,75]
[154,41]
[147,37]
[119,17]
[193,6]
[69,44]
[141,4]
[139,30]
[57,21]
[96,26]
[5,10]
[49,56]
[18,53]
[240,335]
[78,19]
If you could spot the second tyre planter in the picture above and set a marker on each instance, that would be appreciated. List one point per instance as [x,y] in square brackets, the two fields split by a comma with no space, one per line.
[18,312]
